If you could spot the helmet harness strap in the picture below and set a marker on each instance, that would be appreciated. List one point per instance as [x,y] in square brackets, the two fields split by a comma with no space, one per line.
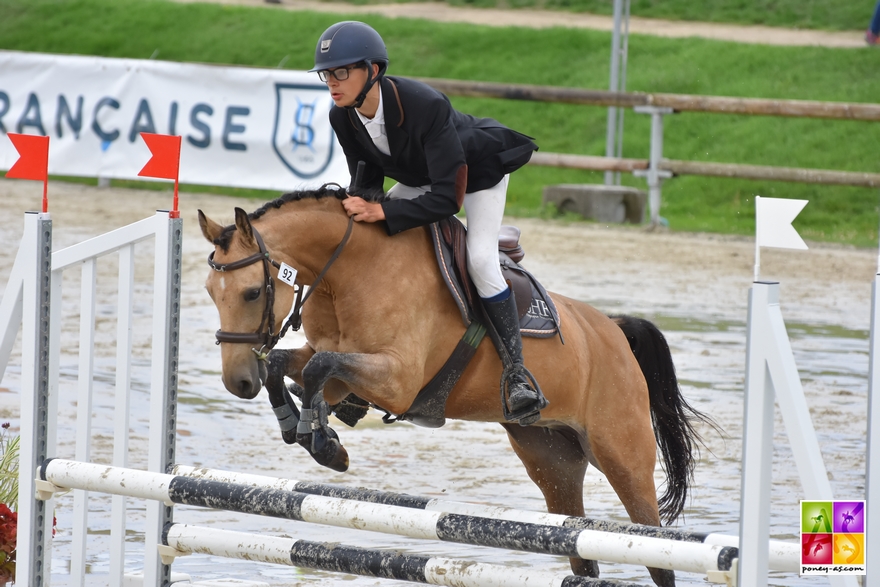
[359,101]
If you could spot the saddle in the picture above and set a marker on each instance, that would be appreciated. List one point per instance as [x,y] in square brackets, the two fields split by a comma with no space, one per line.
[538,315]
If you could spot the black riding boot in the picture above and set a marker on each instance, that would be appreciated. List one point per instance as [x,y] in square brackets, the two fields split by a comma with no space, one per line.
[524,398]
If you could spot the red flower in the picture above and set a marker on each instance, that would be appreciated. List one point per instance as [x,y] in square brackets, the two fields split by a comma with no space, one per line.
[8,538]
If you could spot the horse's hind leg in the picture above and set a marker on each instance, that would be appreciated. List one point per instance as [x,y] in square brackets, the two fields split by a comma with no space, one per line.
[556,462]
[629,467]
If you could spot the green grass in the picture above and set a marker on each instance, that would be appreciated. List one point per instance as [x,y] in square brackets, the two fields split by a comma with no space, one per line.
[837,15]
[814,14]
[266,37]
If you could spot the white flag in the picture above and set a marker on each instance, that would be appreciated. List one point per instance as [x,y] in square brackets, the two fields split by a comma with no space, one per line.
[773,217]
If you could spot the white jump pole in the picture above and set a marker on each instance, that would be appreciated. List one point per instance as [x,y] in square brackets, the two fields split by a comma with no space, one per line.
[181,539]
[588,544]
[783,555]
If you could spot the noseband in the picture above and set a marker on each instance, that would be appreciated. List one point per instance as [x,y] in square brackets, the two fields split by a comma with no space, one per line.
[264,334]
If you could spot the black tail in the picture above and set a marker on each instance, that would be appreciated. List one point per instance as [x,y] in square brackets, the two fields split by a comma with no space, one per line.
[673,418]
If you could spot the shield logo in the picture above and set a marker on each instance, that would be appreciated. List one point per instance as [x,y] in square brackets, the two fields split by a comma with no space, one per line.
[303,138]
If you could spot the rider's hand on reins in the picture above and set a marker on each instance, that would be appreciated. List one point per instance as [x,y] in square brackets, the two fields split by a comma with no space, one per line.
[362,210]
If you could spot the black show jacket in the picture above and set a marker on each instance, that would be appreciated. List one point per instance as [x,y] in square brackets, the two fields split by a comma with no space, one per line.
[433,144]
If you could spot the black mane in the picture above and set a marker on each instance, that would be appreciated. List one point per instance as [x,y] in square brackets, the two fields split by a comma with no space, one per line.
[328,190]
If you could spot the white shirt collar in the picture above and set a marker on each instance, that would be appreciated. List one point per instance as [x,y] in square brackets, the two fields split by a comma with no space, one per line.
[379,118]
[375,127]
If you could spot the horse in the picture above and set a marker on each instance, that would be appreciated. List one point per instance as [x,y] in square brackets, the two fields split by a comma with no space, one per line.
[379,324]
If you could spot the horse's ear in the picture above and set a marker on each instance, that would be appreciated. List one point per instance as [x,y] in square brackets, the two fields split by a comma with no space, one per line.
[210,229]
[243,224]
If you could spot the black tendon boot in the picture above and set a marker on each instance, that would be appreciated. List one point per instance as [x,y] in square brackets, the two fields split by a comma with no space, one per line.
[524,397]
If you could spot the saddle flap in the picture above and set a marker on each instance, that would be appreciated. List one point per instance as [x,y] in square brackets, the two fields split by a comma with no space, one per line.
[455,235]
[518,283]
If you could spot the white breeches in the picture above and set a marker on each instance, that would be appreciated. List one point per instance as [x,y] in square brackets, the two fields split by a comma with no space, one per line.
[484,210]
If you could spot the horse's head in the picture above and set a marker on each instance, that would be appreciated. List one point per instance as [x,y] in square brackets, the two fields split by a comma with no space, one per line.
[251,311]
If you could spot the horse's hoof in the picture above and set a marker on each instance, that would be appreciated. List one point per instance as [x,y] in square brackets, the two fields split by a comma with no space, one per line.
[339,461]
[585,567]
[324,446]
[350,410]
[663,577]
[289,436]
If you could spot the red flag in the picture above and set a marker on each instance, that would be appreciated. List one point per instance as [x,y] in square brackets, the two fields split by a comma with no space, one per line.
[165,162]
[33,162]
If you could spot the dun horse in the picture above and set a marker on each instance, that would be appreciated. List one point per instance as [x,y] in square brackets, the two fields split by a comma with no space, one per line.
[380,323]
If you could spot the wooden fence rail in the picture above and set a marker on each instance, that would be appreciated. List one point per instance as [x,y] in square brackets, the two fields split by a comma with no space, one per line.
[678,102]
[760,172]
[656,169]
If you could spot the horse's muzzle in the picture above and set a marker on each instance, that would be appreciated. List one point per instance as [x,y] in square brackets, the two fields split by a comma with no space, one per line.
[246,383]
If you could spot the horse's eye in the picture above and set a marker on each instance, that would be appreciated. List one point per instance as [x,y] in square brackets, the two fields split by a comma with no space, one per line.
[252,294]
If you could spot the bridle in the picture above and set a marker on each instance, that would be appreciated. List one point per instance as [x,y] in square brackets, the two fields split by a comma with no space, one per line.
[264,335]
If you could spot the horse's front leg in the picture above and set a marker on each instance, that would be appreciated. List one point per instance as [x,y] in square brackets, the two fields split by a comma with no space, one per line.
[281,363]
[313,431]
[363,372]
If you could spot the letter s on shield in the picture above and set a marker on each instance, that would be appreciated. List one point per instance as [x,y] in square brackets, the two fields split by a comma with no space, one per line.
[303,138]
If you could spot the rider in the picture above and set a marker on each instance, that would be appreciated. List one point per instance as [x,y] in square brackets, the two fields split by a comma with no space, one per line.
[441,158]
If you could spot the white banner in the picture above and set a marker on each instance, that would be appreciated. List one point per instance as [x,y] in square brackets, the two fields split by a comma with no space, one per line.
[240,127]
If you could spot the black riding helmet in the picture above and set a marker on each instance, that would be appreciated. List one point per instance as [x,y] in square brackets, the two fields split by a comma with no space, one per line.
[350,42]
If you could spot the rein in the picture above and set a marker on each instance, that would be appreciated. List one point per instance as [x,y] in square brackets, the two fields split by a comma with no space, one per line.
[266,337]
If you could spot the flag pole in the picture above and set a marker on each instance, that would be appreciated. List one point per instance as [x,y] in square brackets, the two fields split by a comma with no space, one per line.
[46,194]
[175,213]
[757,240]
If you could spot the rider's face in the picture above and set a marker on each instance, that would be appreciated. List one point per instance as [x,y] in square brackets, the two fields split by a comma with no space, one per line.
[345,92]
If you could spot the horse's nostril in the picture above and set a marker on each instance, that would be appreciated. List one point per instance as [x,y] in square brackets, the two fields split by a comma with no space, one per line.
[244,388]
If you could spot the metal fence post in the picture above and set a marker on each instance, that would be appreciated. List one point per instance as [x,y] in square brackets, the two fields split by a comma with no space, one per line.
[617,83]
[654,175]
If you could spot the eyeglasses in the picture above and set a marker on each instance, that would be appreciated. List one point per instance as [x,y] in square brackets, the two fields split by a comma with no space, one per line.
[340,73]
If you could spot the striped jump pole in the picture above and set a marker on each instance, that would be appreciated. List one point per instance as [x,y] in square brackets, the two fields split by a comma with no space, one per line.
[182,539]
[784,556]
[59,475]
